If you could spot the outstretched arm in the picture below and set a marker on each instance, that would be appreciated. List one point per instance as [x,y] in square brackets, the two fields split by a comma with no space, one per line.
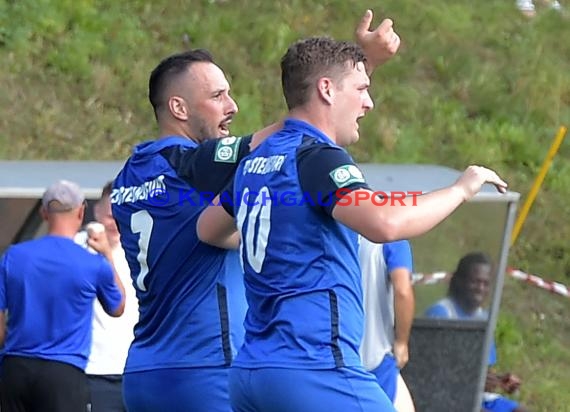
[361,211]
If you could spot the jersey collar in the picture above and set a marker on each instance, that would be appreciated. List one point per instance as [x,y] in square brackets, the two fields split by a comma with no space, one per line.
[301,126]
[155,146]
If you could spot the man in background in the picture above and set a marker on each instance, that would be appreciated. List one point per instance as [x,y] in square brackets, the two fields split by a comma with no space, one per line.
[47,289]
[468,289]
[111,336]
[388,315]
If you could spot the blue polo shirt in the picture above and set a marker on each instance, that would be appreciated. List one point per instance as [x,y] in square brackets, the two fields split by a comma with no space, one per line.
[47,287]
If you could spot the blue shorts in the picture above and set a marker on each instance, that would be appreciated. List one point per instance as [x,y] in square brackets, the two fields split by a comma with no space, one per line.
[499,404]
[177,390]
[387,375]
[300,390]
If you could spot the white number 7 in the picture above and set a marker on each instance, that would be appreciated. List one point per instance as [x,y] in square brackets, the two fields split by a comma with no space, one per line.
[141,222]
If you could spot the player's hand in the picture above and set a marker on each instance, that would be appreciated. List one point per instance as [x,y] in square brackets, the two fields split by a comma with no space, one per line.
[471,181]
[401,354]
[492,381]
[97,239]
[378,45]
[510,383]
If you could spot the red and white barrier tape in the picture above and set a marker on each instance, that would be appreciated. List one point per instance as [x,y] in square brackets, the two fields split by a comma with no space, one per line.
[429,278]
[554,287]
[534,280]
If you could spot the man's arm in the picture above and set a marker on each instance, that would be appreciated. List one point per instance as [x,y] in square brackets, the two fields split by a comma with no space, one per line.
[361,210]
[315,164]
[379,45]
[398,258]
[404,305]
[219,157]
[260,136]
[217,227]
[2,328]
[98,241]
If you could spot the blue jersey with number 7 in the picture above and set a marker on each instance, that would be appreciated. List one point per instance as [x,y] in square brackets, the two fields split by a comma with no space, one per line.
[191,297]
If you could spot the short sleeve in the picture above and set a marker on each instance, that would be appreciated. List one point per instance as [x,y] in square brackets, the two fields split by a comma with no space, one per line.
[398,255]
[108,292]
[326,174]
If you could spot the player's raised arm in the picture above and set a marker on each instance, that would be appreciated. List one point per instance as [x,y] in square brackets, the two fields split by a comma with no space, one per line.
[379,45]
[361,211]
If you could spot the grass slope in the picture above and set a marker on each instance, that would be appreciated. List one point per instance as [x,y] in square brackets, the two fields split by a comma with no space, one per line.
[473,82]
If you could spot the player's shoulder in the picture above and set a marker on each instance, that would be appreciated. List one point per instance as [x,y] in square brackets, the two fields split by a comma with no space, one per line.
[439,309]
[309,144]
[31,246]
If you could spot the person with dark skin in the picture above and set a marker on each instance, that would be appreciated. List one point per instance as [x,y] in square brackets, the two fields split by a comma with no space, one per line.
[468,290]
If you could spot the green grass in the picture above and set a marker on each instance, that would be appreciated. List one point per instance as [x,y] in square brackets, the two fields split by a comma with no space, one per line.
[473,82]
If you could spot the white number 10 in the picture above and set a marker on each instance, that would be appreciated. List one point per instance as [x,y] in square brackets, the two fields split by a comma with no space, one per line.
[259,217]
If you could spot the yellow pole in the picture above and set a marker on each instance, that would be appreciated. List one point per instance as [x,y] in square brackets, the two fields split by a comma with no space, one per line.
[538,182]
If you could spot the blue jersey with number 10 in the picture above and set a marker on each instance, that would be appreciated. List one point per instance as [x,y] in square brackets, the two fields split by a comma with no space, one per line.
[301,266]
[191,298]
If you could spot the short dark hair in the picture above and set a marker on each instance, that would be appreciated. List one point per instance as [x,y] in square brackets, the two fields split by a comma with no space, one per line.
[170,68]
[461,275]
[107,189]
[312,58]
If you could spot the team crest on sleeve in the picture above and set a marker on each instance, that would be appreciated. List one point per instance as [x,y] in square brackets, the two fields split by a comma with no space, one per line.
[227,149]
[346,175]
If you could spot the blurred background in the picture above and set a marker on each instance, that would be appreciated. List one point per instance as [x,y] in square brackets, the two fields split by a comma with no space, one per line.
[474,82]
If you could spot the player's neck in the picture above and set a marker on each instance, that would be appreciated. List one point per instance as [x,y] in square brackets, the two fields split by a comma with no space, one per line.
[466,308]
[168,130]
[62,229]
[316,118]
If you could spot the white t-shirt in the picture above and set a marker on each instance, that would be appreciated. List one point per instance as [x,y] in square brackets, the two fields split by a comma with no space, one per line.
[378,294]
[112,337]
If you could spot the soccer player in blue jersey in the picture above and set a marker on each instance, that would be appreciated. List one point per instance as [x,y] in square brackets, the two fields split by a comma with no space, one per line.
[190,326]
[299,240]
[388,315]
[47,290]
[468,289]
[191,296]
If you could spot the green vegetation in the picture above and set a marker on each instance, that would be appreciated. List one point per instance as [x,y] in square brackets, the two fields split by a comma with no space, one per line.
[473,82]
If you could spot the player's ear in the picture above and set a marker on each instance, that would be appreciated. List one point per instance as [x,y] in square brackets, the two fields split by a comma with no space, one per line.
[81,211]
[325,89]
[178,108]
[43,213]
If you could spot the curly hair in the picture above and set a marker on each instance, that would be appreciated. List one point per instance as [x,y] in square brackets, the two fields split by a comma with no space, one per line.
[308,60]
